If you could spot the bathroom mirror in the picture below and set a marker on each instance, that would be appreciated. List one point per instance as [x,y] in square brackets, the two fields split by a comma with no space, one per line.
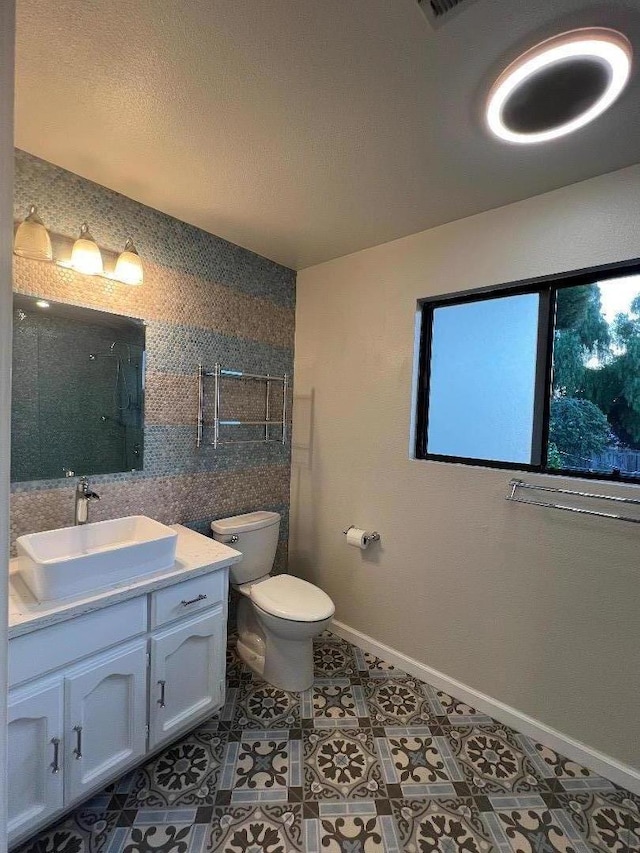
[77,391]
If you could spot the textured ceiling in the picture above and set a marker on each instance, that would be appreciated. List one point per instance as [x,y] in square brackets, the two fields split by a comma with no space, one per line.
[301,129]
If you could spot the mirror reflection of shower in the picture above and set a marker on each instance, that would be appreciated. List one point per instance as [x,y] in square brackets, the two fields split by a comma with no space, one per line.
[78,391]
[126,412]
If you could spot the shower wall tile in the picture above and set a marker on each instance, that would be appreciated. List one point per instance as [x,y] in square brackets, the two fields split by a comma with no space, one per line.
[203,300]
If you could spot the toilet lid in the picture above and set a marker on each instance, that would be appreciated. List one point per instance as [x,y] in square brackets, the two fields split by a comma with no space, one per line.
[292,598]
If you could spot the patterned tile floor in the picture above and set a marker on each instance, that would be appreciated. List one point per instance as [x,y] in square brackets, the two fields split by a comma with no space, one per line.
[370,759]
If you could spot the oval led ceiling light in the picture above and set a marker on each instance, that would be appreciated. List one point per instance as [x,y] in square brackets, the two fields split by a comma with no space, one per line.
[559,86]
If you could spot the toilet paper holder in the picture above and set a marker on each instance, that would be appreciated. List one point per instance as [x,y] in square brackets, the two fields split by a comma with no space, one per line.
[374,536]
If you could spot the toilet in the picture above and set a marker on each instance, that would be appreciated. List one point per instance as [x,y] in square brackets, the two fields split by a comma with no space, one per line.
[279,616]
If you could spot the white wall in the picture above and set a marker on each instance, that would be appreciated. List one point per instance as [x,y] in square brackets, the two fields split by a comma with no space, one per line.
[7,24]
[530,606]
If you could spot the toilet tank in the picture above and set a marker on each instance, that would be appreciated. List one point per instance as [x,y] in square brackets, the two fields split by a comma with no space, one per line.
[257,534]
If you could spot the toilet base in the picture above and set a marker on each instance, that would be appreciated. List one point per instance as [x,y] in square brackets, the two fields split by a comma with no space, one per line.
[278,650]
[254,660]
[289,664]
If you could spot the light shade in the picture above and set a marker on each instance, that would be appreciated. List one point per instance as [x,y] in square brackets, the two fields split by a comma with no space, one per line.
[32,238]
[559,86]
[85,255]
[129,266]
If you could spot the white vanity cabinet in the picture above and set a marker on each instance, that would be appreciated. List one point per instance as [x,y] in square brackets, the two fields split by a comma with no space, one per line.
[34,776]
[187,681]
[92,696]
[187,653]
[105,718]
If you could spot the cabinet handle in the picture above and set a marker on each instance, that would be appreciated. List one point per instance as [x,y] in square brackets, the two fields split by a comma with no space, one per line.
[78,750]
[161,699]
[55,764]
[195,600]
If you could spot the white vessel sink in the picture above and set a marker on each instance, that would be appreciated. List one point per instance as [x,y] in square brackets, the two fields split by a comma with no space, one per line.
[74,560]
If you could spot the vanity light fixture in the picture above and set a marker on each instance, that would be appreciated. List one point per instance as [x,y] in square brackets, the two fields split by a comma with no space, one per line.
[42,303]
[129,266]
[85,255]
[559,86]
[32,238]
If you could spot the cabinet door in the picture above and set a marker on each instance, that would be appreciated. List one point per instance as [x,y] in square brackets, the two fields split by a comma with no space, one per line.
[187,674]
[34,782]
[105,717]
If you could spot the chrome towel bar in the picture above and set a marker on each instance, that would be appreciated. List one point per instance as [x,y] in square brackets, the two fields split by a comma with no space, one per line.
[218,374]
[241,374]
[515,484]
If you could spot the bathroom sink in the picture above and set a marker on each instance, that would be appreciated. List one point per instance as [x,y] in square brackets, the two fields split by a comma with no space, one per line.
[74,560]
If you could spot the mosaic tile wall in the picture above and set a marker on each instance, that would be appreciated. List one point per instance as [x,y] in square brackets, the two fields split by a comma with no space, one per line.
[203,300]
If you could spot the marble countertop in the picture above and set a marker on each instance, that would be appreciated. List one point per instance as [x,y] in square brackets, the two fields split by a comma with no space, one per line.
[195,555]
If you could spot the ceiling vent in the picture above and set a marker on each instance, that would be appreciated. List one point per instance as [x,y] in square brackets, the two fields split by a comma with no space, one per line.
[437,12]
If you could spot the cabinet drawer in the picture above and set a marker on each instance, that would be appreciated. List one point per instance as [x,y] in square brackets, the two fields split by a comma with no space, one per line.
[188,597]
[47,649]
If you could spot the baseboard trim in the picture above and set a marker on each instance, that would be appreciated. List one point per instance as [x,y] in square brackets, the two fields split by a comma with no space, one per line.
[621,774]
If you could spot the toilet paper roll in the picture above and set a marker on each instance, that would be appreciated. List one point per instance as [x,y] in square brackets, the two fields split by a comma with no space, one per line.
[356,537]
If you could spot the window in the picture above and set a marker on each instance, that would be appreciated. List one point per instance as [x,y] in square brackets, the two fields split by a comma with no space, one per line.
[542,376]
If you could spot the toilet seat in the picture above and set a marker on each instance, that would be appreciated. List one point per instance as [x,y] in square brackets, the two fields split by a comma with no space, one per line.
[288,597]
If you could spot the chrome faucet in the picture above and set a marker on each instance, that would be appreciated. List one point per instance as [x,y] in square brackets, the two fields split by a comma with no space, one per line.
[83,495]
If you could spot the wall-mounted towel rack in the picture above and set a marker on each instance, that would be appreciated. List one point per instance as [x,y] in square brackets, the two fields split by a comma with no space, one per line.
[514,485]
[218,374]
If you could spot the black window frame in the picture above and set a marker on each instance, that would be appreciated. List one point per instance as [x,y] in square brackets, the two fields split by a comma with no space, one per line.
[547,287]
